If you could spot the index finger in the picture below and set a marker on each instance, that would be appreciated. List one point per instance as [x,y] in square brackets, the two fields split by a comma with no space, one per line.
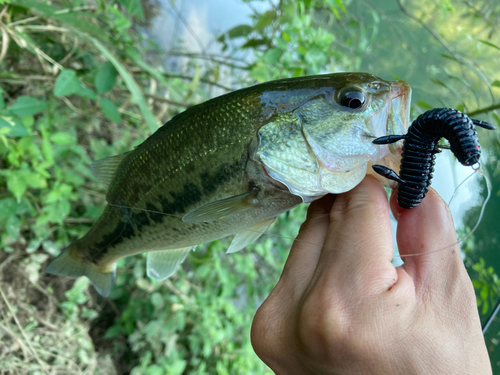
[358,248]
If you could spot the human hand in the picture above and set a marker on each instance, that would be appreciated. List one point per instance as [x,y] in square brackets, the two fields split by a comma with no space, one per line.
[340,305]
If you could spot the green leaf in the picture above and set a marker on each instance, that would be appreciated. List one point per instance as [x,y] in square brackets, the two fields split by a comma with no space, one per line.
[16,185]
[13,226]
[449,57]
[28,121]
[341,5]
[135,90]
[109,110]
[85,92]
[61,138]
[113,331]
[496,83]
[497,119]
[27,106]
[133,7]
[252,43]
[239,31]
[105,77]
[47,151]
[16,128]
[273,55]
[484,292]
[476,284]
[8,207]
[265,19]
[67,83]
[489,44]
[50,248]
[2,102]
[33,245]
[424,105]
[260,72]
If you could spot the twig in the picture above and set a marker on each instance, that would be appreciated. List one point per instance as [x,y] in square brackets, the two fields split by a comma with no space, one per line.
[5,44]
[130,114]
[42,364]
[42,28]
[204,80]
[168,283]
[158,98]
[78,220]
[484,110]
[4,11]
[49,78]
[71,105]
[436,36]
[82,7]
[210,56]
[212,59]
[188,28]
[9,259]
[23,43]
[26,20]
[428,28]
[152,89]
[15,338]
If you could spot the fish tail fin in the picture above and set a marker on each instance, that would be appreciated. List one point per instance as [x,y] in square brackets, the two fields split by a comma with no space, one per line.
[70,263]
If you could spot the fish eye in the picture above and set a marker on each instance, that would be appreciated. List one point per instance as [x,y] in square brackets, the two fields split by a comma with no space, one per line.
[351,97]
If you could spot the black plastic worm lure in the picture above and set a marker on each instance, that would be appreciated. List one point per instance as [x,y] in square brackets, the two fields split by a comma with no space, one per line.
[420,147]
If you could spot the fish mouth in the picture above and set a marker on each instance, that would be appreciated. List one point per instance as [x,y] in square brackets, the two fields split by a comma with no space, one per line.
[398,120]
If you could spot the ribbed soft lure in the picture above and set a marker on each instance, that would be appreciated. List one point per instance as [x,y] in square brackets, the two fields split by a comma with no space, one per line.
[421,144]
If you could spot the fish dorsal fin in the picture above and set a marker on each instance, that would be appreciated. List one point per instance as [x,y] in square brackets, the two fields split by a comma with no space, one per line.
[104,169]
[247,236]
[221,208]
[161,264]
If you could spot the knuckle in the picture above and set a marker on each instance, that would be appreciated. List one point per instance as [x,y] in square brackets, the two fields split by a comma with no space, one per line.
[320,327]
[334,331]
[268,331]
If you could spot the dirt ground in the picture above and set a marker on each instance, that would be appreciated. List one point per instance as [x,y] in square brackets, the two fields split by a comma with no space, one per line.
[38,334]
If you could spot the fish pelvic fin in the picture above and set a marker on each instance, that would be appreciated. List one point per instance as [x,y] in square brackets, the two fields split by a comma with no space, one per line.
[70,263]
[161,264]
[247,236]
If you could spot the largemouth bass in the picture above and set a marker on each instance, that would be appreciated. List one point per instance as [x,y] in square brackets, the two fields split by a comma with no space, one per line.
[230,165]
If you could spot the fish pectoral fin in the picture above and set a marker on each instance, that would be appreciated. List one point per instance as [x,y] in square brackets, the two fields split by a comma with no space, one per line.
[71,265]
[104,169]
[161,264]
[217,210]
[247,236]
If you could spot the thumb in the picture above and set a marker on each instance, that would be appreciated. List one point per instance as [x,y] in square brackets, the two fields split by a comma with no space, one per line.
[427,239]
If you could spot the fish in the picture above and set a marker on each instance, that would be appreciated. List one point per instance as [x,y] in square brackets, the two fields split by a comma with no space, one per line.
[230,165]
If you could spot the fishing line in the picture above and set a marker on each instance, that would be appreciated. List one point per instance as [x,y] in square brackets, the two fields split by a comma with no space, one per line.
[491,318]
[243,230]
[294,239]
[478,170]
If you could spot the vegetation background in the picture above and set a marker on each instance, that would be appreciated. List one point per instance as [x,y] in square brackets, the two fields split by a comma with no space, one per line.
[82,80]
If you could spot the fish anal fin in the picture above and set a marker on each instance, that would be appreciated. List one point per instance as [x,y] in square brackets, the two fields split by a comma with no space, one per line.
[247,236]
[163,263]
[217,210]
[68,263]
[104,169]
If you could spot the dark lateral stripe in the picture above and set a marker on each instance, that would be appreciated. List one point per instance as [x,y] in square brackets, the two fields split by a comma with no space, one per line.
[121,232]
[189,195]
[175,203]
[154,213]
